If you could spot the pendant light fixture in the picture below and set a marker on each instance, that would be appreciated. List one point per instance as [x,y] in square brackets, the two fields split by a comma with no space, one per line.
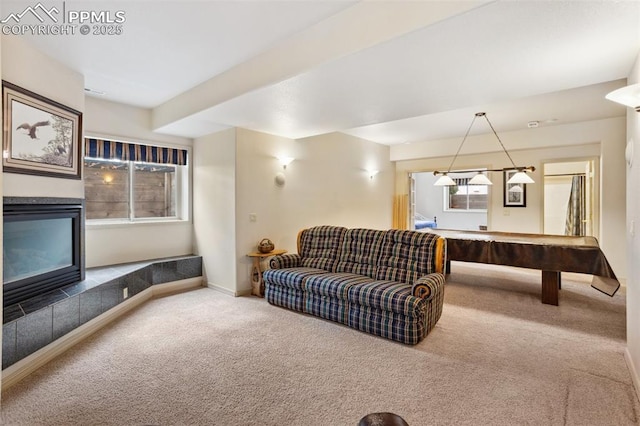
[480,178]
[444,180]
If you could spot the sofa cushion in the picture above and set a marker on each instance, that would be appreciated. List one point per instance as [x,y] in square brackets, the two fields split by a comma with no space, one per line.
[406,256]
[388,296]
[290,277]
[326,295]
[391,325]
[360,251]
[319,246]
[286,297]
[333,285]
[326,307]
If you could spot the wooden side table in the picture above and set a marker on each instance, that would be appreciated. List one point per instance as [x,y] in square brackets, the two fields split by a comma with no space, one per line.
[257,284]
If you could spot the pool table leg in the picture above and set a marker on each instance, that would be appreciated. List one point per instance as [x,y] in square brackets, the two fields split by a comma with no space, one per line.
[551,283]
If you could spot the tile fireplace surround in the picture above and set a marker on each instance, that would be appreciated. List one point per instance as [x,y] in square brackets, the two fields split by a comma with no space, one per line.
[36,322]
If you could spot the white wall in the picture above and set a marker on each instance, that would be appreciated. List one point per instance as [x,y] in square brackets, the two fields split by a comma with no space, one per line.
[115,244]
[30,69]
[428,198]
[214,207]
[599,138]
[557,190]
[124,122]
[632,238]
[326,184]
[122,243]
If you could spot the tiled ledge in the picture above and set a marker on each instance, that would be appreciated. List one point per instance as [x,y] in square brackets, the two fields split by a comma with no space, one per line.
[34,323]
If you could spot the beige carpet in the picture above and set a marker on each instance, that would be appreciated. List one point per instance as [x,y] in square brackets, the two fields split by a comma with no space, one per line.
[497,356]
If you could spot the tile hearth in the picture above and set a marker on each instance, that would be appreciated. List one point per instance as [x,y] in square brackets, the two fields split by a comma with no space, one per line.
[36,322]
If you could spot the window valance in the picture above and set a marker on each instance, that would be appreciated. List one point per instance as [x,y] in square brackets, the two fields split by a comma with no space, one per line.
[111,150]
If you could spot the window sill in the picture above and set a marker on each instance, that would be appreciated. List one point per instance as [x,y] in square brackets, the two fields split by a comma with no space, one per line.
[101,224]
[464,211]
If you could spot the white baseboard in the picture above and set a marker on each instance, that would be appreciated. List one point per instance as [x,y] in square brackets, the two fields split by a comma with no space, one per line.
[176,286]
[634,373]
[229,292]
[21,369]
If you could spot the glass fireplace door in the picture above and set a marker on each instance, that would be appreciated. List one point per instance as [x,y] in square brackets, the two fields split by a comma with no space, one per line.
[35,247]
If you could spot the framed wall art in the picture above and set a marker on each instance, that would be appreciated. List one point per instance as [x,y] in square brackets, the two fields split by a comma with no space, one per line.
[41,136]
[514,194]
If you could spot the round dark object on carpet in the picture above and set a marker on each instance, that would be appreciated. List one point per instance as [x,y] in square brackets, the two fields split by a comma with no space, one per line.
[382,419]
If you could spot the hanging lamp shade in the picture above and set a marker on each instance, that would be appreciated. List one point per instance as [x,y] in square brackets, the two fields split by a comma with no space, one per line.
[480,179]
[520,177]
[444,180]
[628,96]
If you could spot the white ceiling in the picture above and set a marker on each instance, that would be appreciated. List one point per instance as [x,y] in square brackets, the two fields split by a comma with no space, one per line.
[391,72]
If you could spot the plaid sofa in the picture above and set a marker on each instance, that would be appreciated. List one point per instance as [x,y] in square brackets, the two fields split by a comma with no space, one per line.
[387,283]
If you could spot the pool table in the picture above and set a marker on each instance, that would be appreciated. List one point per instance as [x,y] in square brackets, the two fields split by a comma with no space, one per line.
[552,254]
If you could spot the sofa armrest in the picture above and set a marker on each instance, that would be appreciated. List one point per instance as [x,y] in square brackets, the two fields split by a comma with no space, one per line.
[440,260]
[428,286]
[283,261]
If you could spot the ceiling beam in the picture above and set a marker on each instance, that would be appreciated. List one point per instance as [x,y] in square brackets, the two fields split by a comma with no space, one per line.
[358,27]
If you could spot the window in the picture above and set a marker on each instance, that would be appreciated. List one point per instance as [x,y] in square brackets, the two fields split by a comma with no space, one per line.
[119,188]
[466,197]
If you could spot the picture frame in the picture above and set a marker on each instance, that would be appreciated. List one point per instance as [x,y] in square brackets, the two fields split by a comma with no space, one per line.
[41,136]
[513,198]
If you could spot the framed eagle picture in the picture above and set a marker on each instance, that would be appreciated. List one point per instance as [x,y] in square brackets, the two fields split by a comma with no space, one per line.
[41,136]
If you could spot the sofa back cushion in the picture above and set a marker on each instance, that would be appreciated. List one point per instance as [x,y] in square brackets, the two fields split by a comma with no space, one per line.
[319,246]
[406,256]
[360,251]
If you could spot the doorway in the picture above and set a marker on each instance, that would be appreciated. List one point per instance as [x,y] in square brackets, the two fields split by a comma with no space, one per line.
[570,198]
[462,207]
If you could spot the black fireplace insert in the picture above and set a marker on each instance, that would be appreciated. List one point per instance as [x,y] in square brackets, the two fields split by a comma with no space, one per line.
[43,246]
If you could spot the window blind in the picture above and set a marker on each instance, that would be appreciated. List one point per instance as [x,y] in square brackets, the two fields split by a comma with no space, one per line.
[111,150]
[462,181]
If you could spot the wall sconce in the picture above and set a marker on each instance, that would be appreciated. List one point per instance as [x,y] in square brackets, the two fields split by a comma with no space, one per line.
[628,96]
[372,173]
[107,179]
[285,161]
[628,152]
[280,179]
[481,179]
